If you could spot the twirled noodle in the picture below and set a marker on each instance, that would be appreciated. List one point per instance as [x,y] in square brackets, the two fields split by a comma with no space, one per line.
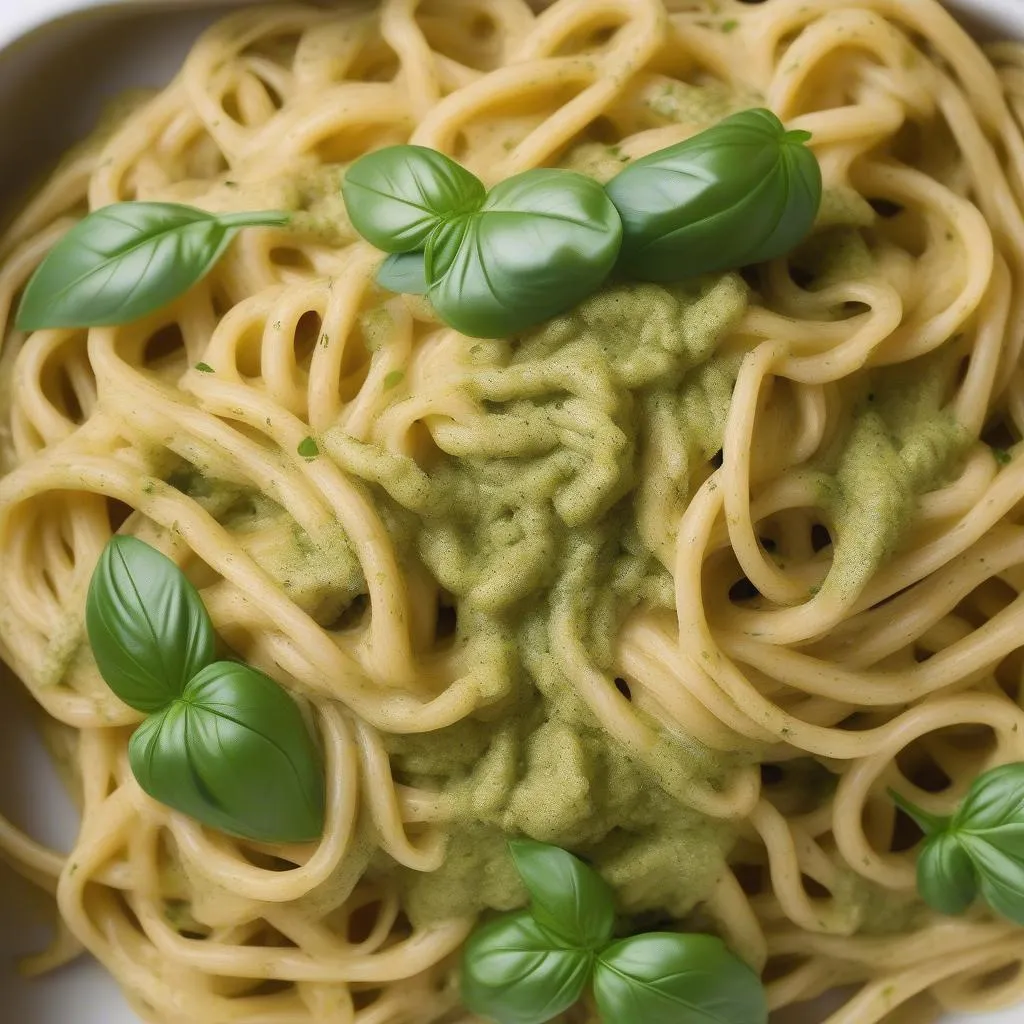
[684,531]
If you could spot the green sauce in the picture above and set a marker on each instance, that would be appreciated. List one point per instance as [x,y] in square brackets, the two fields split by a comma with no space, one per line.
[538,523]
[900,444]
[321,573]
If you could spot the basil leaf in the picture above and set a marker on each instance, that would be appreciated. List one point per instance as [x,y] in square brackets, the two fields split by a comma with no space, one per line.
[127,260]
[665,978]
[542,241]
[1001,877]
[397,195]
[741,192]
[147,625]
[514,972]
[994,809]
[403,272]
[234,752]
[946,878]
[569,899]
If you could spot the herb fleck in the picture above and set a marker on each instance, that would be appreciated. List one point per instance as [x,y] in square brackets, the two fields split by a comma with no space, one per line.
[308,448]
[204,367]
[394,378]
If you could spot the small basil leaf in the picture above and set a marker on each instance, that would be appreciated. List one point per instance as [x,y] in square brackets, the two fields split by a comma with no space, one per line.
[542,241]
[397,195]
[147,625]
[514,972]
[994,809]
[569,899]
[946,878]
[127,260]
[1001,877]
[234,752]
[403,272]
[665,978]
[741,192]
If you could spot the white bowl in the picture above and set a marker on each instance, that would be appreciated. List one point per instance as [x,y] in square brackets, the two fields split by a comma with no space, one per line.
[37,80]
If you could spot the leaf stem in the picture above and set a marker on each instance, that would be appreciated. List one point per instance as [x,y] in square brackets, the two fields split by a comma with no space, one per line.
[930,824]
[260,218]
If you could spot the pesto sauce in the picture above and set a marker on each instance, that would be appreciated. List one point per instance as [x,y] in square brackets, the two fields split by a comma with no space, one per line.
[842,206]
[668,101]
[539,522]
[320,574]
[875,910]
[901,443]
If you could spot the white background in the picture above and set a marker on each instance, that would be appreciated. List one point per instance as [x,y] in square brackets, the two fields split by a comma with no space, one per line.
[144,52]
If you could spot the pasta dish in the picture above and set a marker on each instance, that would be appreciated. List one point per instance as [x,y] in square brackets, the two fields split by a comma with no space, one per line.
[696,555]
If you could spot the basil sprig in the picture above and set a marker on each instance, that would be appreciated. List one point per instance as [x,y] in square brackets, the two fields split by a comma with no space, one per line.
[126,260]
[530,966]
[978,850]
[493,263]
[497,263]
[222,742]
[741,192]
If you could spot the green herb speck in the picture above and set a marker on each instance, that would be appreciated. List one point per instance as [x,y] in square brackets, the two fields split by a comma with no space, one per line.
[394,378]
[1002,456]
[730,26]
[308,448]
[204,367]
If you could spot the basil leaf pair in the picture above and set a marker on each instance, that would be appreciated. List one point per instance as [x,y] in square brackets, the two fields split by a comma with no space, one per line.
[127,260]
[222,742]
[531,966]
[743,191]
[979,850]
[527,968]
[492,263]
